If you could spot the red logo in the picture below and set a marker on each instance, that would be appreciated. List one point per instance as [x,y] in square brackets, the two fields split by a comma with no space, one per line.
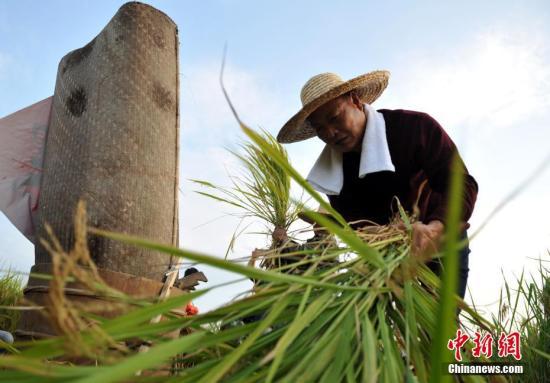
[508,344]
[483,346]
[457,343]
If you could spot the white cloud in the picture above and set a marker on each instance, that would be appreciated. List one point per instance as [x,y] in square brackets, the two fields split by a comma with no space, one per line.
[491,83]
[205,112]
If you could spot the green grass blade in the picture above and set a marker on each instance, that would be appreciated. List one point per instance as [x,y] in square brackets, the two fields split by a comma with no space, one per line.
[370,351]
[446,315]
[219,371]
[293,331]
[349,238]
[250,272]
[154,357]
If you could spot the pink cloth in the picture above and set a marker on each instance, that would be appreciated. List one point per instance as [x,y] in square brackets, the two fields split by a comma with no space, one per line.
[22,141]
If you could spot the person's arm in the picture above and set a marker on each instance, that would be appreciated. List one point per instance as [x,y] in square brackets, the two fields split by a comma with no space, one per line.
[435,155]
[435,151]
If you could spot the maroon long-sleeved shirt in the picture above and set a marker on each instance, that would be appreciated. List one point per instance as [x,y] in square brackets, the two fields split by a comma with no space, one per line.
[420,150]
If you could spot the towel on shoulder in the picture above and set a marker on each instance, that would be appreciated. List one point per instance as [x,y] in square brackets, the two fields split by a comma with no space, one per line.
[327,175]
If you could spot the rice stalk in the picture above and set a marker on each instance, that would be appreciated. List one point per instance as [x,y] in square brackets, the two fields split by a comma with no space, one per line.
[65,315]
[262,191]
[11,291]
[532,321]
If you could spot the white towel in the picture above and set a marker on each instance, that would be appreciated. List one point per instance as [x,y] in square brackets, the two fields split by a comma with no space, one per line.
[327,175]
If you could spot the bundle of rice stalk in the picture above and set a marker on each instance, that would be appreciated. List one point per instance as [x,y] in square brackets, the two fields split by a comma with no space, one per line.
[394,281]
[69,317]
[262,192]
[387,292]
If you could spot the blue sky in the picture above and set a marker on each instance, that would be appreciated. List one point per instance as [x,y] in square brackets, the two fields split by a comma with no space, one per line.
[482,69]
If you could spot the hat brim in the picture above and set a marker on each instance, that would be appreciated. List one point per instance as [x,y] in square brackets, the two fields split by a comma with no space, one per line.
[368,87]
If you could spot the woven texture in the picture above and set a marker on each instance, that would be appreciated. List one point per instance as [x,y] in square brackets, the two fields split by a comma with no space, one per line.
[325,87]
[112,141]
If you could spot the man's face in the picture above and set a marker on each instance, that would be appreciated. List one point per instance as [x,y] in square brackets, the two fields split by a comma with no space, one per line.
[340,123]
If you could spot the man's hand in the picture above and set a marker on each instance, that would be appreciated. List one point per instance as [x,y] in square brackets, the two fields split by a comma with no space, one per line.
[426,238]
[256,253]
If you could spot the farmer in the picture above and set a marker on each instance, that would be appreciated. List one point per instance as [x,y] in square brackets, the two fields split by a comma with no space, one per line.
[372,156]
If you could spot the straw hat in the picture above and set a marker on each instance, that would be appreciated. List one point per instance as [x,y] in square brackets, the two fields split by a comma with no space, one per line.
[325,87]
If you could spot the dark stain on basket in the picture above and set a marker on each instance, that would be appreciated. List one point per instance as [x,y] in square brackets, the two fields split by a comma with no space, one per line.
[76,56]
[76,102]
[158,38]
[162,97]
